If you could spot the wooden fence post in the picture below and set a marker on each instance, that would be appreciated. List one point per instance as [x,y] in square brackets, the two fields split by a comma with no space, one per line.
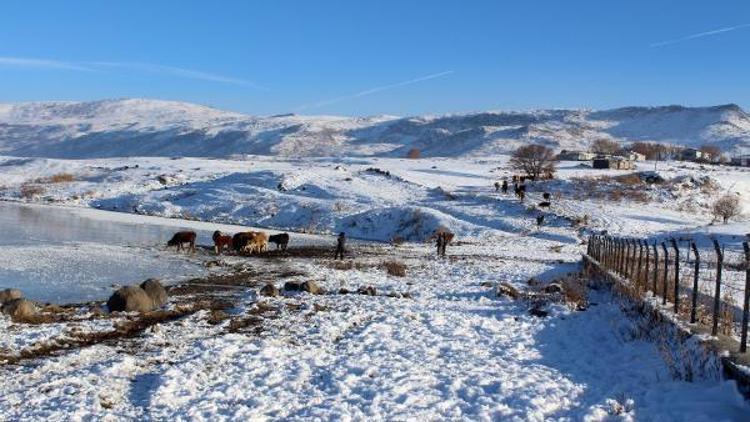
[656,268]
[666,273]
[648,262]
[717,292]
[676,276]
[746,304]
[696,274]
[639,264]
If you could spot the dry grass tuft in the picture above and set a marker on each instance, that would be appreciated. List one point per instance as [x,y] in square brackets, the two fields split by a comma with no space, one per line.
[61,178]
[395,268]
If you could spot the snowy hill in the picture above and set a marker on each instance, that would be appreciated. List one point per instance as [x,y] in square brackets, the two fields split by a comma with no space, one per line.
[139,127]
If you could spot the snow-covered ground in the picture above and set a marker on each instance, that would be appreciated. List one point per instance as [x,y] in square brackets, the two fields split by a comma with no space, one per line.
[449,349]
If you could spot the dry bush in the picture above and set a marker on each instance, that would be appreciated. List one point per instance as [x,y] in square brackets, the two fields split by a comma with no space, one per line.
[395,268]
[397,240]
[727,207]
[413,154]
[605,146]
[575,290]
[61,178]
[726,315]
[31,190]
[632,179]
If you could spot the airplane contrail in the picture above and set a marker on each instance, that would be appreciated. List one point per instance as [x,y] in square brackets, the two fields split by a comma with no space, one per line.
[179,72]
[700,35]
[375,90]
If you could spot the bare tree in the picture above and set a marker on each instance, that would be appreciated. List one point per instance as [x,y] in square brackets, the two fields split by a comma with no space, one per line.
[726,207]
[713,152]
[534,160]
[605,147]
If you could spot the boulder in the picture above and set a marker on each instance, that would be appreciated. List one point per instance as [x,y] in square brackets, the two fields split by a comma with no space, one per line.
[19,309]
[344,291]
[553,288]
[505,289]
[368,291]
[292,286]
[130,299]
[539,313]
[155,291]
[9,294]
[311,287]
[269,290]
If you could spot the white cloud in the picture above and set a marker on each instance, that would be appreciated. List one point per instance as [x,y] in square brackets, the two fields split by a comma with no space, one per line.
[375,90]
[700,35]
[133,66]
[41,64]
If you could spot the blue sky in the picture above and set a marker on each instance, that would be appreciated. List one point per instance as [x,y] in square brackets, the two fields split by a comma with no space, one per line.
[363,58]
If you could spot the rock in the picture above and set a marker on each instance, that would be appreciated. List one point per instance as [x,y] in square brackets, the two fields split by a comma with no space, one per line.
[486,284]
[19,309]
[155,291]
[553,288]
[344,291]
[368,291]
[291,286]
[539,313]
[269,290]
[130,299]
[214,263]
[311,287]
[9,294]
[505,289]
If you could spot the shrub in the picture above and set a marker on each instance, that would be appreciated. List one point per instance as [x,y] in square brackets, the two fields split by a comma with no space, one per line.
[605,146]
[726,207]
[31,190]
[62,178]
[395,268]
[413,154]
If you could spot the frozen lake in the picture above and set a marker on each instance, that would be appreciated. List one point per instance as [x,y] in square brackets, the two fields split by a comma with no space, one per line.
[63,255]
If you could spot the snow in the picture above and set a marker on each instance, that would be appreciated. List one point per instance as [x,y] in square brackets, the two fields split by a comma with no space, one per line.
[449,349]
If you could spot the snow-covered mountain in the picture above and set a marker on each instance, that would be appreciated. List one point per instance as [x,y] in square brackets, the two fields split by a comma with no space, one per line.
[139,127]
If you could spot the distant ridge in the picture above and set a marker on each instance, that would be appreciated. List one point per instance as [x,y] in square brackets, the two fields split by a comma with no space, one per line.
[141,127]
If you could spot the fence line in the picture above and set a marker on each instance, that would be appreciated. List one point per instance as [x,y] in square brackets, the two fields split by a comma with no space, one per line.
[632,259]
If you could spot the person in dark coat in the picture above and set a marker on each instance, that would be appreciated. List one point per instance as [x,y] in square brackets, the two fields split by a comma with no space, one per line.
[444,244]
[539,220]
[440,243]
[340,246]
[505,186]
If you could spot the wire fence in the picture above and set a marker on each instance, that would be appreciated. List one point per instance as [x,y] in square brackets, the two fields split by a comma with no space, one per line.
[705,283]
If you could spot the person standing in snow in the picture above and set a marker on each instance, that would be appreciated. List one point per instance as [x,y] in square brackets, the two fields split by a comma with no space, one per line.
[539,221]
[444,243]
[497,186]
[340,245]
[505,187]
[439,243]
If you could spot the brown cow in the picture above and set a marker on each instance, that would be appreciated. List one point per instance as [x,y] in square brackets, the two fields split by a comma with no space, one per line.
[180,238]
[221,241]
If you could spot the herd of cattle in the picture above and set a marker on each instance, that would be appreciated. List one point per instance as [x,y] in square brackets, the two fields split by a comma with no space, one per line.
[243,243]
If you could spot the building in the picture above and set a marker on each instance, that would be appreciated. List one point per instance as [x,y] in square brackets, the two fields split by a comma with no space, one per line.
[741,161]
[566,155]
[634,156]
[614,162]
[692,154]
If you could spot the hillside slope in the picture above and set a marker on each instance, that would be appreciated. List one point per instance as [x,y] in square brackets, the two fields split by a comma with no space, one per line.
[139,127]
